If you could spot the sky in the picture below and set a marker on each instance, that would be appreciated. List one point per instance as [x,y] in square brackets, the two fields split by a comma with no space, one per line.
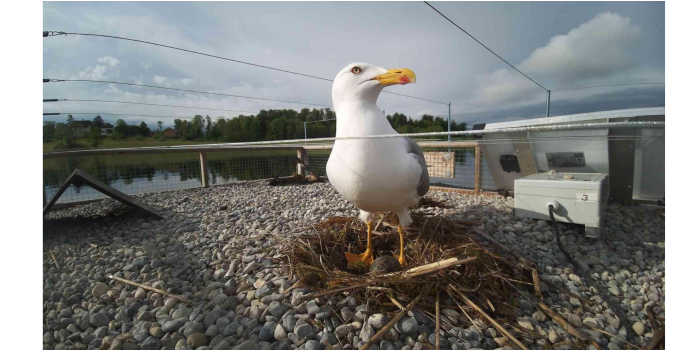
[560,45]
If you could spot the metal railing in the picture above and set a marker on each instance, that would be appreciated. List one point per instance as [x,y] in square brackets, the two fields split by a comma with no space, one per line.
[454,165]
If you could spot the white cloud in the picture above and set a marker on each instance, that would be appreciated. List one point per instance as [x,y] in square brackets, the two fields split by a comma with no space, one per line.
[93,73]
[185,81]
[600,49]
[160,80]
[109,60]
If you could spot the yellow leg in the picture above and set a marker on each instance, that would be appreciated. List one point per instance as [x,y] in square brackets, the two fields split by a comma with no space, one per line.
[365,257]
[402,261]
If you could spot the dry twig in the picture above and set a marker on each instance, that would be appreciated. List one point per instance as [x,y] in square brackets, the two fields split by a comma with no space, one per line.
[493,322]
[54,259]
[564,324]
[391,323]
[656,341]
[159,291]
[437,320]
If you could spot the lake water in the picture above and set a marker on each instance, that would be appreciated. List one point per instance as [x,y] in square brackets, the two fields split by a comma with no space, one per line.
[133,174]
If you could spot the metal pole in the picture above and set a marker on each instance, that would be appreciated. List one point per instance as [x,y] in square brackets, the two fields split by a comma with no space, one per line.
[304,132]
[449,120]
[549,92]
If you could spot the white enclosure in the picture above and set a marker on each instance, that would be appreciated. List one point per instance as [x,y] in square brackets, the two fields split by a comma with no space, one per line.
[578,198]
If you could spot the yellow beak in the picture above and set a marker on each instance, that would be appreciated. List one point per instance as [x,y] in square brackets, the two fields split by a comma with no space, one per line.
[396,76]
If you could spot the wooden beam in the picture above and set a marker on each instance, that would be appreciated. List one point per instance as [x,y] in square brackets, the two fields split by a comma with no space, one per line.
[301,154]
[79,178]
[477,170]
[203,166]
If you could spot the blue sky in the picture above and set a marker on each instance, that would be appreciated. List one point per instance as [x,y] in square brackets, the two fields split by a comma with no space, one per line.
[560,45]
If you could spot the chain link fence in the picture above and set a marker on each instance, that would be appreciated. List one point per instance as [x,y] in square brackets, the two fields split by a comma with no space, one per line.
[453,167]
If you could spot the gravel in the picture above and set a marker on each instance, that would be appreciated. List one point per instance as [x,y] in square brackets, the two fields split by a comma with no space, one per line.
[215,247]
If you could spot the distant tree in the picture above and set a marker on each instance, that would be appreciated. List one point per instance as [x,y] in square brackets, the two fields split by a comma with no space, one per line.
[49,131]
[196,128]
[208,134]
[303,115]
[315,115]
[95,136]
[218,129]
[160,126]
[64,134]
[144,130]
[70,119]
[121,127]
[178,125]
[277,129]
[98,122]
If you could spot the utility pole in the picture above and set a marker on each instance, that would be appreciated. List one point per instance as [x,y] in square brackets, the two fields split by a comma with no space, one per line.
[304,132]
[449,121]
[549,93]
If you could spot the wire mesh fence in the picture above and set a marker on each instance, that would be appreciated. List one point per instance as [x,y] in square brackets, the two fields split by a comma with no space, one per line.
[152,172]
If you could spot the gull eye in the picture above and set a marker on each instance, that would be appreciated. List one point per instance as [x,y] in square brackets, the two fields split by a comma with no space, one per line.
[356,70]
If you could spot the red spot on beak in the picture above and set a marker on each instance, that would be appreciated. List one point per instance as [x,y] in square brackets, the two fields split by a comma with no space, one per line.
[404,80]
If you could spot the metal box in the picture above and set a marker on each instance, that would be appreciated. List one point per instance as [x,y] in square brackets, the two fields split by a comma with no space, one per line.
[582,198]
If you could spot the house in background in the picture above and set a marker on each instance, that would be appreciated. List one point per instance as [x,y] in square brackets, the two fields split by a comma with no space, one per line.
[106,129]
[171,133]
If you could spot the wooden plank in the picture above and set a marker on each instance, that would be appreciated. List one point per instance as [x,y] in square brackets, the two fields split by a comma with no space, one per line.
[79,178]
[440,164]
[301,154]
[477,170]
[204,169]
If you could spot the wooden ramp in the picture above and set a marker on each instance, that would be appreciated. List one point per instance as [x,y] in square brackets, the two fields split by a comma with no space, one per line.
[79,178]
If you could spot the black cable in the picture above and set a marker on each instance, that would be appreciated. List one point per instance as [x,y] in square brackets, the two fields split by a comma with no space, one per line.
[197,53]
[597,86]
[184,90]
[417,98]
[602,291]
[147,104]
[486,47]
[54,33]
[128,114]
[556,231]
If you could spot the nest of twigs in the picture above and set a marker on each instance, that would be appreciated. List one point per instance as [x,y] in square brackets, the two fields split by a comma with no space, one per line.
[450,264]
[444,257]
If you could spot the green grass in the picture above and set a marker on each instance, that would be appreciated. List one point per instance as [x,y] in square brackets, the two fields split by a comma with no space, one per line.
[131,142]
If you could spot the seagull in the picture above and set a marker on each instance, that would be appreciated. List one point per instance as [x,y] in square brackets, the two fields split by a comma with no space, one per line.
[376,175]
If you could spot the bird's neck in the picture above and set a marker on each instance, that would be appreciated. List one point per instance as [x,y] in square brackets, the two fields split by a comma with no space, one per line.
[361,118]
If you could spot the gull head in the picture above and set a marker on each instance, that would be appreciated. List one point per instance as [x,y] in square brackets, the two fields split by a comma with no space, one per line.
[363,82]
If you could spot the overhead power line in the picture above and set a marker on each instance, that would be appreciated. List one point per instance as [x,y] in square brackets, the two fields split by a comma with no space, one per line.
[146,104]
[486,47]
[417,98]
[127,114]
[190,51]
[598,86]
[56,33]
[47,80]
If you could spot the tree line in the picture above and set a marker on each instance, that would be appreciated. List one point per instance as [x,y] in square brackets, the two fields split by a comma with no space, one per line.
[274,124]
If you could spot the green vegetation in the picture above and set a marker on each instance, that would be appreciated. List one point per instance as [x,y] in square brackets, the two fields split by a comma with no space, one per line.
[277,124]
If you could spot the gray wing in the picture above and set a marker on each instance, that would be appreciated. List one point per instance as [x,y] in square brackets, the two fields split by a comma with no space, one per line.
[415,150]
